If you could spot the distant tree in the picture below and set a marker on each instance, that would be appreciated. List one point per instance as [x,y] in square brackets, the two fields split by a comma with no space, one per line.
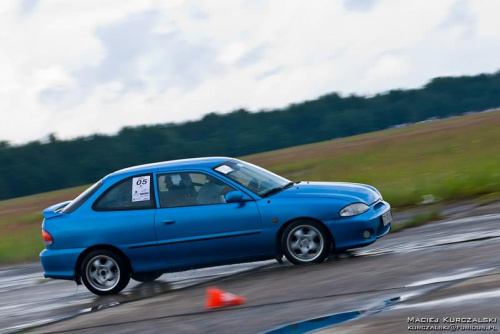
[37,167]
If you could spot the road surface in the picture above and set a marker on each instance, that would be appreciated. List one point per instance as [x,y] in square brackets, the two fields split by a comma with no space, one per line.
[443,270]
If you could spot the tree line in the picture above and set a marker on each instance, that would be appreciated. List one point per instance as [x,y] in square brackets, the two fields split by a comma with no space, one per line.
[44,166]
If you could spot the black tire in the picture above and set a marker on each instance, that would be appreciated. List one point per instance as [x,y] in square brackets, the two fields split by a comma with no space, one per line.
[305,241]
[104,272]
[146,277]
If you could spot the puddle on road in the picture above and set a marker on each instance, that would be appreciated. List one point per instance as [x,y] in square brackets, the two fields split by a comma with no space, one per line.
[331,320]
[318,323]
[38,323]
[138,292]
[78,303]
[394,303]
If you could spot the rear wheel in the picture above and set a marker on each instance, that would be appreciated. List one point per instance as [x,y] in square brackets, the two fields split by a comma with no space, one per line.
[104,272]
[305,241]
[146,277]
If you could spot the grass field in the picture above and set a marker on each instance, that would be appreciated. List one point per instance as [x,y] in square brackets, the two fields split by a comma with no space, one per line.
[451,159]
[20,222]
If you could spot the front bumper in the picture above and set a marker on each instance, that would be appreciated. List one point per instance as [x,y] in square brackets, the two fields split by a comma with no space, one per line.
[360,230]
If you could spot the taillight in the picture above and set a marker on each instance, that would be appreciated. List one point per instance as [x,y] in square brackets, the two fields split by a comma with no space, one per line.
[47,238]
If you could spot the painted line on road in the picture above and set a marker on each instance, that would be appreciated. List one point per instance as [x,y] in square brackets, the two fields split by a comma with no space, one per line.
[468,219]
[436,242]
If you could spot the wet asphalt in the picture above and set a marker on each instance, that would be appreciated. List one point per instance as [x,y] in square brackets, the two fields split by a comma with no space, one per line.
[28,300]
[445,269]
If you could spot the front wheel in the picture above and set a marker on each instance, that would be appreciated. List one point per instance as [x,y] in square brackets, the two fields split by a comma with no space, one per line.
[305,241]
[104,272]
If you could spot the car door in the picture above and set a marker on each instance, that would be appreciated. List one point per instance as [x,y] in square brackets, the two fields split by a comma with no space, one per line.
[123,216]
[196,227]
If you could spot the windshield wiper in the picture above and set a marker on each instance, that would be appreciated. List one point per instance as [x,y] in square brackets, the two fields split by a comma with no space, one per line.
[277,189]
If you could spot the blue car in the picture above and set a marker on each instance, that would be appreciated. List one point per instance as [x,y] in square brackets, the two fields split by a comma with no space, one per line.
[143,221]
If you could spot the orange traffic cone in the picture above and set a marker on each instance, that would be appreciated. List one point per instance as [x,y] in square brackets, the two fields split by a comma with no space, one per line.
[219,298]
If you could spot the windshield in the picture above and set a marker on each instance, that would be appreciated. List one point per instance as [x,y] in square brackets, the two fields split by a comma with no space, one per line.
[258,180]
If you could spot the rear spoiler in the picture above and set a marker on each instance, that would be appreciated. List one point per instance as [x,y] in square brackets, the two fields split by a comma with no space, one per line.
[54,210]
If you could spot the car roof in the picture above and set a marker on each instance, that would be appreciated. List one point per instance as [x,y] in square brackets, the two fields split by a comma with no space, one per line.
[207,162]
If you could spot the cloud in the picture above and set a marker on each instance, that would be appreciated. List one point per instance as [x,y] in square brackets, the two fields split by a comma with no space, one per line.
[362,6]
[57,87]
[137,56]
[27,7]
[195,12]
[266,74]
[253,56]
[387,68]
[73,70]
[460,17]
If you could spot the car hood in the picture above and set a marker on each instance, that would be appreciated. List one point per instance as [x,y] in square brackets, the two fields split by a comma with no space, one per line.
[351,192]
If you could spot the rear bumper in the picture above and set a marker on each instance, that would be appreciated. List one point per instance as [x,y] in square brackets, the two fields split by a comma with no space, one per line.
[60,263]
[361,230]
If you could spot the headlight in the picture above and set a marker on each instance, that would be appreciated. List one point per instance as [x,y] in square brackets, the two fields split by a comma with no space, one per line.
[354,209]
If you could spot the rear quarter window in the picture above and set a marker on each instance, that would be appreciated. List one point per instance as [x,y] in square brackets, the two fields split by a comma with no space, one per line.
[82,198]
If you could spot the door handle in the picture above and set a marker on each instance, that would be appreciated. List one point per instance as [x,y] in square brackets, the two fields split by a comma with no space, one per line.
[168,222]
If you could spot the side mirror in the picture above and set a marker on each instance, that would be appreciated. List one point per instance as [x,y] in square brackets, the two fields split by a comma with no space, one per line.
[234,196]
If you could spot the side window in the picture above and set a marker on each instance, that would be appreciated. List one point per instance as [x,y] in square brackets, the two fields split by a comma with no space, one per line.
[130,194]
[190,189]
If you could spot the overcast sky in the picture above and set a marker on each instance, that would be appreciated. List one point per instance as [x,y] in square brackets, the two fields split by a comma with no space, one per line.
[93,66]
